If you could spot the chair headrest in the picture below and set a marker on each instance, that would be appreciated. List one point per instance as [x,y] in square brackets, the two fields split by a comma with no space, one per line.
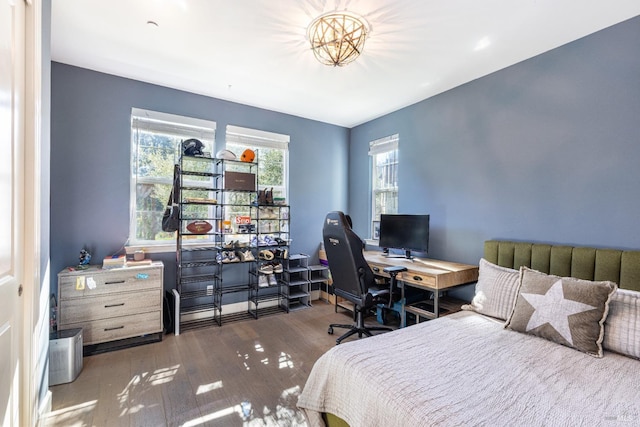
[336,219]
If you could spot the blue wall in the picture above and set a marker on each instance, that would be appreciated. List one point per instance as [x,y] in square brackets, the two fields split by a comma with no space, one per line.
[546,150]
[90,161]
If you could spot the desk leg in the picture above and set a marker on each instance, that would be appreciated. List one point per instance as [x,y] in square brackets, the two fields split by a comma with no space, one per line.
[436,304]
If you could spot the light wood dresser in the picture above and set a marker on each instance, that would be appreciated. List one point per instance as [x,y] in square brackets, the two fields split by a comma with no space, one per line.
[112,305]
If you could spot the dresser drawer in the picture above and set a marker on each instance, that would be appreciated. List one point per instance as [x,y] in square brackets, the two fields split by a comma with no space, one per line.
[117,328]
[94,283]
[417,279]
[105,306]
[406,276]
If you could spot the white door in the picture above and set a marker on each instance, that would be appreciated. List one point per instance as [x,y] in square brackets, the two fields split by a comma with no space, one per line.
[12,99]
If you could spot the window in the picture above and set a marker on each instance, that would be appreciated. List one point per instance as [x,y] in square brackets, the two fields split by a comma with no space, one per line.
[155,148]
[384,179]
[272,155]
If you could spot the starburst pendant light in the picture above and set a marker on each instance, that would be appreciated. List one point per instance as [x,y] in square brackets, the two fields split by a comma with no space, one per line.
[337,38]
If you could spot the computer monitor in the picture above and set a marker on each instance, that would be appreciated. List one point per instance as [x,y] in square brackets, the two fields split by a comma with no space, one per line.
[405,232]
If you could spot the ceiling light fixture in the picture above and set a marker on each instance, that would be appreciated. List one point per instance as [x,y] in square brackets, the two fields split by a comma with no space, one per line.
[337,38]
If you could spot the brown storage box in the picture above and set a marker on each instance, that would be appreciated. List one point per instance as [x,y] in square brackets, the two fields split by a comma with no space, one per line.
[240,181]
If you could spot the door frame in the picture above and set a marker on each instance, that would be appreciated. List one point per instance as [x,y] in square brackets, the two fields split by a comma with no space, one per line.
[32,307]
[35,301]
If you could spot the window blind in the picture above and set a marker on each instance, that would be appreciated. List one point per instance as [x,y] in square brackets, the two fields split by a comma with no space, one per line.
[382,145]
[171,124]
[256,138]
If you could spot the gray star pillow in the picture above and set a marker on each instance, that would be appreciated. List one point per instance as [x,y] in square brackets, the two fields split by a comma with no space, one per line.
[564,310]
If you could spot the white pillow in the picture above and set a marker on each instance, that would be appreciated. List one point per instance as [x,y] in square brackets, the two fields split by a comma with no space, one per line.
[496,290]
[622,327]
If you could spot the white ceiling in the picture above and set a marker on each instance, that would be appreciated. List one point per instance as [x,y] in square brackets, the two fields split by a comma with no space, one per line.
[255,52]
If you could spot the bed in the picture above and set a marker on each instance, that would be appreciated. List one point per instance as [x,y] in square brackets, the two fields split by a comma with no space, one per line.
[496,362]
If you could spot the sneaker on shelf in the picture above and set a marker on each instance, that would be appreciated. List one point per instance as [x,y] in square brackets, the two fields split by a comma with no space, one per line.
[233,257]
[258,241]
[270,241]
[246,256]
[277,267]
[265,269]
[281,253]
[272,280]
[266,254]
[281,242]
[263,282]
[228,245]
[225,257]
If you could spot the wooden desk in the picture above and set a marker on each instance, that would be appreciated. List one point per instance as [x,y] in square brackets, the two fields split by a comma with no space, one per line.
[423,273]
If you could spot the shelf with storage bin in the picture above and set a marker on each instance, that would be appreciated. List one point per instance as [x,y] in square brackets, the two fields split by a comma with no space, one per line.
[318,276]
[225,259]
[297,304]
[272,239]
[266,281]
[238,184]
[216,191]
[296,283]
[197,302]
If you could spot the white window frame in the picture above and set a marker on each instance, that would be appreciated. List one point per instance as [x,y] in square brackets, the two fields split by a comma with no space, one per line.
[383,146]
[256,139]
[176,126]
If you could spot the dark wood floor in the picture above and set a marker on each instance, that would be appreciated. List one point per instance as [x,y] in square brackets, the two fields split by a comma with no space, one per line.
[246,373]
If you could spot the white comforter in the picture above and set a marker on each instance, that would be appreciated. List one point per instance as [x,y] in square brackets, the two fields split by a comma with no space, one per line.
[466,369]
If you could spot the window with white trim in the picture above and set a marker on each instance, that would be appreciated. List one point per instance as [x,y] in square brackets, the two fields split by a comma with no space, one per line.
[272,155]
[155,147]
[384,179]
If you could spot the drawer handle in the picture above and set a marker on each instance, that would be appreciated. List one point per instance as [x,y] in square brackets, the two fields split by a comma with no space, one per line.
[417,278]
[376,269]
[113,283]
[114,305]
[113,329]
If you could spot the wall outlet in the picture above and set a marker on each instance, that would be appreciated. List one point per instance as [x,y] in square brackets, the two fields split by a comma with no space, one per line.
[209,289]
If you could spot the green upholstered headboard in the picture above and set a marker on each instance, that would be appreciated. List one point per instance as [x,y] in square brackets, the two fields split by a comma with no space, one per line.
[622,267]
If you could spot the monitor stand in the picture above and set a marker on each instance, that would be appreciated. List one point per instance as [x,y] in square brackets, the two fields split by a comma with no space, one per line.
[407,255]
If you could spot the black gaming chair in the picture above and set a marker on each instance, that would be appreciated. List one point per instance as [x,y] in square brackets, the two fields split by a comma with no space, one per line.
[352,277]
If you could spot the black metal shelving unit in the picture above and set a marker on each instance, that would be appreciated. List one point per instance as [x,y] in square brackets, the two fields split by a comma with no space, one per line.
[210,268]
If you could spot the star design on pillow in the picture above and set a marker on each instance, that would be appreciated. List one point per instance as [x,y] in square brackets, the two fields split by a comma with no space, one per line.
[554,309]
